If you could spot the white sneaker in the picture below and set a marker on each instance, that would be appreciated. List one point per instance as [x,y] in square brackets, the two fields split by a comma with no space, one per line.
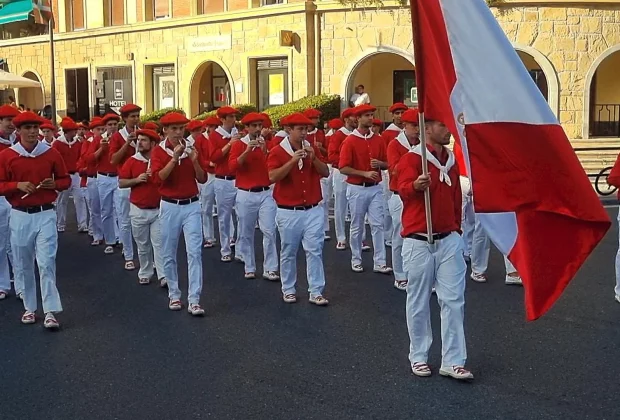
[163,282]
[357,268]
[341,246]
[175,305]
[271,276]
[50,322]
[478,277]
[400,284]
[327,237]
[365,247]
[388,243]
[383,269]
[456,372]
[618,298]
[195,309]
[319,301]
[108,250]
[510,280]
[3,294]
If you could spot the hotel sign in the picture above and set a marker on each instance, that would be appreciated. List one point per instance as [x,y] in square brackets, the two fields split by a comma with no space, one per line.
[209,43]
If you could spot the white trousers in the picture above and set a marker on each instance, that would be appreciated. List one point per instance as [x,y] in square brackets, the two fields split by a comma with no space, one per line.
[5,245]
[145,227]
[387,217]
[253,207]
[87,202]
[476,242]
[366,201]
[305,227]
[468,217]
[176,219]
[107,186]
[395,205]
[225,195]
[34,237]
[340,204]
[121,203]
[94,205]
[78,201]
[327,188]
[440,265]
[207,200]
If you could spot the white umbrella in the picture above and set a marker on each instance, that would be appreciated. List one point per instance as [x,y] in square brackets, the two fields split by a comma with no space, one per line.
[10,80]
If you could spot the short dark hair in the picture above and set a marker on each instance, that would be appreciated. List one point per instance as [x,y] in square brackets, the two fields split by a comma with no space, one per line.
[361,86]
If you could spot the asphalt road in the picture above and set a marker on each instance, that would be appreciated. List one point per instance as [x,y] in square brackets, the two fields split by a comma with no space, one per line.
[121,354]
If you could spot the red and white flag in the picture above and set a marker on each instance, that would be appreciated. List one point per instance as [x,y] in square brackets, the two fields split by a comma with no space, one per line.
[530,191]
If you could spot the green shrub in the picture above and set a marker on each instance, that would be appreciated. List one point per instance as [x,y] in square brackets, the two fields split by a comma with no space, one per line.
[329,105]
[242,108]
[155,116]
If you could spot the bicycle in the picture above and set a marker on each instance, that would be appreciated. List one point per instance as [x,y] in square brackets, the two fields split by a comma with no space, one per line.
[601,185]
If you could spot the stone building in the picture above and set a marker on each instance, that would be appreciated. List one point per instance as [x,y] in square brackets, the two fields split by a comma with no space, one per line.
[199,55]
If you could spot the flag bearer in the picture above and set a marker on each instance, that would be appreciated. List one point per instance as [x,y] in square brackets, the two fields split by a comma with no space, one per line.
[402,144]
[362,158]
[122,147]
[178,168]
[7,132]
[248,159]
[440,264]
[69,147]
[30,175]
[207,190]
[144,208]
[220,143]
[297,171]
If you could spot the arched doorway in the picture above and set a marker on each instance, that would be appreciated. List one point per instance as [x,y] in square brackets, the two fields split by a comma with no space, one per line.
[210,88]
[603,105]
[537,73]
[31,98]
[388,76]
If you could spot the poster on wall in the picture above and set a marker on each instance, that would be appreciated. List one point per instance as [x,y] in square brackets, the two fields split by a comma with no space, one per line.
[276,89]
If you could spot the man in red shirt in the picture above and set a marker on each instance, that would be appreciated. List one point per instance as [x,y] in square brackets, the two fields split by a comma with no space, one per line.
[30,175]
[95,226]
[440,264]
[402,144]
[69,147]
[7,113]
[362,157]
[340,180]
[48,130]
[135,174]
[220,142]
[254,202]
[396,127]
[207,189]
[122,147]
[107,180]
[297,171]
[176,165]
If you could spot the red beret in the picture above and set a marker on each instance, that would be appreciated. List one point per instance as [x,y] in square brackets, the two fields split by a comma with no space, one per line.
[398,106]
[129,108]
[251,117]
[335,124]
[312,113]
[47,126]
[283,121]
[67,124]
[95,122]
[194,125]
[7,111]
[27,117]
[411,116]
[296,119]
[363,109]
[378,122]
[266,120]
[226,110]
[110,117]
[173,118]
[212,121]
[150,125]
[149,133]
[348,113]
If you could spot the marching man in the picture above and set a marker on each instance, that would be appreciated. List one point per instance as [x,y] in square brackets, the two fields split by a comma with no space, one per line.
[362,157]
[177,167]
[440,264]
[144,208]
[122,147]
[92,193]
[402,144]
[69,147]
[297,171]
[30,175]
[248,159]
[207,190]
[47,129]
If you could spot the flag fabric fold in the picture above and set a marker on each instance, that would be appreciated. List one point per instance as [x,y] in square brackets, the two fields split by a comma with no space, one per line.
[530,190]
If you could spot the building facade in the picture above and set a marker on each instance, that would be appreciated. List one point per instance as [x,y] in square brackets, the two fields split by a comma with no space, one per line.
[199,55]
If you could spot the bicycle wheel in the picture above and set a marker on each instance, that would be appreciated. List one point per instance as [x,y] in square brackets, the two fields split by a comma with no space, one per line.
[601,185]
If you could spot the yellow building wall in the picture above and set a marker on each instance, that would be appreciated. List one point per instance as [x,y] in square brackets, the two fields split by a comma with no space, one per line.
[375,73]
[608,80]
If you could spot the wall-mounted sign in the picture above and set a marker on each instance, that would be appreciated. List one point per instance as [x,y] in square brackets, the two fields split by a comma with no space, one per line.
[118,90]
[209,43]
[286,38]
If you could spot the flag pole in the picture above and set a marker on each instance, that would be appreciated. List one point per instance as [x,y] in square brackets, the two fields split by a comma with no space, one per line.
[417,52]
[52,66]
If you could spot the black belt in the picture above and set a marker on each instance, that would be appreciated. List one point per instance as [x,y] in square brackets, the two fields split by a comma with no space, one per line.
[110,174]
[394,192]
[148,208]
[366,184]
[35,209]
[72,172]
[227,178]
[255,189]
[181,202]
[302,207]
[436,236]
[91,176]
